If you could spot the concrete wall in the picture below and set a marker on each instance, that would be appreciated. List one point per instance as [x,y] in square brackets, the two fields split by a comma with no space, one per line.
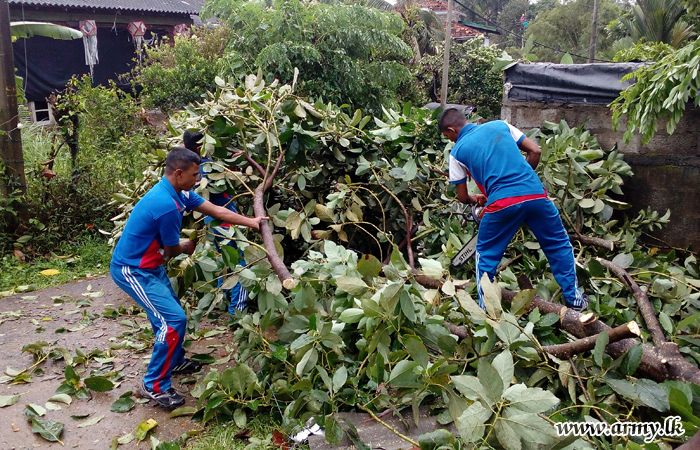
[667,170]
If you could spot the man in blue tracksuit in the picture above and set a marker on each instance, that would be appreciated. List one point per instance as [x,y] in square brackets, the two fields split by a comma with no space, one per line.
[512,194]
[237,294]
[151,233]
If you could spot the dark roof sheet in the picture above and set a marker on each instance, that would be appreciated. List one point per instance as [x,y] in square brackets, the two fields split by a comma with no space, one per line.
[159,6]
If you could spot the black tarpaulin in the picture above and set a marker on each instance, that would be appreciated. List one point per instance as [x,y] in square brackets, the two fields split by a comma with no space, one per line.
[568,83]
[53,62]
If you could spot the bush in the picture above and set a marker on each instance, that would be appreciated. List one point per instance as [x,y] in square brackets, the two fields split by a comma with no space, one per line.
[69,186]
[178,71]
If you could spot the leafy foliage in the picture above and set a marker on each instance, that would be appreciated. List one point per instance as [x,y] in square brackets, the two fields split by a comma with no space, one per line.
[176,72]
[345,53]
[471,81]
[657,21]
[359,331]
[644,51]
[661,90]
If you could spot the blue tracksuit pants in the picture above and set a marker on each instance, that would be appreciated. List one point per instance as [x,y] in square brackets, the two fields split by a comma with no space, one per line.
[237,294]
[541,216]
[152,290]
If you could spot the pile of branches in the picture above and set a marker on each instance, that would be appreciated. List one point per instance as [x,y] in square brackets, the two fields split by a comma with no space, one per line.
[359,309]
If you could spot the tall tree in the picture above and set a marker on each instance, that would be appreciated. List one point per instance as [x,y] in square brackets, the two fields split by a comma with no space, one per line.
[567,28]
[658,21]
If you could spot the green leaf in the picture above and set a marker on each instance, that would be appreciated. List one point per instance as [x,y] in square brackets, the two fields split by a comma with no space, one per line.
[334,432]
[32,410]
[566,59]
[339,378]
[472,388]
[623,260]
[666,323]
[492,296]
[471,423]
[687,321]
[652,394]
[122,405]
[71,375]
[503,364]
[240,418]
[491,379]
[521,301]
[529,400]
[586,203]
[203,358]
[679,404]
[416,349]
[407,306]
[402,375]
[99,384]
[369,266]
[600,343]
[506,435]
[92,421]
[48,429]
[352,285]
[144,427]
[63,398]
[351,315]
[632,359]
[436,439]
[8,400]
[182,411]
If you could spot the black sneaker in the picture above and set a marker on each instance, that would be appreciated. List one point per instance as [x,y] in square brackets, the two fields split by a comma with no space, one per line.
[187,367]
[169,399]
[583,306]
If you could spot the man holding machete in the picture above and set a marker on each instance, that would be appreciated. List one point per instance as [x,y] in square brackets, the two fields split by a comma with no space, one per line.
[512,194]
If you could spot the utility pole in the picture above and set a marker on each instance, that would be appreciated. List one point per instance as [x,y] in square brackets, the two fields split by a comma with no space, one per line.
[594,32]
[10,135]
[446,64]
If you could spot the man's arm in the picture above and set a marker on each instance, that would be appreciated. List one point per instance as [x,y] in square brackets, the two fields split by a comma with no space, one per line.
[532,152]
[217,212]
[464,197]
[185,246]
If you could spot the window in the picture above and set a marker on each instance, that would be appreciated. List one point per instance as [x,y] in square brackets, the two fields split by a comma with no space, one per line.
[41,113]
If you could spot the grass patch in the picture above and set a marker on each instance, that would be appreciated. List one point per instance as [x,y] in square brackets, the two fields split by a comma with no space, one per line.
[222,436]
[90,255]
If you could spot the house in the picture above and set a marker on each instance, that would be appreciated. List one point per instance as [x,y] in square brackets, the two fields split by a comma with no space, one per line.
[116,27]
[461,29]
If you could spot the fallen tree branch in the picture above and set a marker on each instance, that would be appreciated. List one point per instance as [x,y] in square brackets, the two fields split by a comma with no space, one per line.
[645,308]
[269,243]
[628,330]
[407,219]
[590,240]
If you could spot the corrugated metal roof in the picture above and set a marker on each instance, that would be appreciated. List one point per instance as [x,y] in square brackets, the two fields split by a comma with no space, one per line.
[159,6]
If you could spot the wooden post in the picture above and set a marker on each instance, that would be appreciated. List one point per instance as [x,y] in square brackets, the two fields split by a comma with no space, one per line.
[10,135]
[594,32]
[446,64]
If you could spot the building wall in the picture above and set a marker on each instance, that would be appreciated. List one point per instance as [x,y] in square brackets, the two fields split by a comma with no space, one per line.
[667,169]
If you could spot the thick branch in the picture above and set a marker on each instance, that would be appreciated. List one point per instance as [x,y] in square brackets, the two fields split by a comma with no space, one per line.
[253,163]
[271,179]
[628,330]
[460,332]
[277,264]
[645,308]
[590,240]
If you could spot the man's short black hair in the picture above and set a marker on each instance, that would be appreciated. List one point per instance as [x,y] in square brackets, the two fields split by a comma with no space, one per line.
[181,158]
[191,140]
[451,117]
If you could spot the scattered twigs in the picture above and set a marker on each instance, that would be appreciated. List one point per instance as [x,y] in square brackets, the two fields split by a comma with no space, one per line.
[628,330]
[645,308]
[590,240]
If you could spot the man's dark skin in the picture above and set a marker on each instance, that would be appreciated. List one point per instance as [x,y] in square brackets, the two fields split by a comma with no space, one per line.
[184,180]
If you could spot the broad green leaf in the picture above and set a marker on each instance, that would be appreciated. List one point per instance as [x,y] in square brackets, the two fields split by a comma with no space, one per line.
[352,285]
[679,404]
[439,438]
[531,428]
[369,266]
[492,296]
[530,400]
[470,306]
[33,410]
[122,405]
[407,307]
[203,358]
[309,360]
[503,364]
[402,375]
[587,203]
[416,349]
[600,343]
[351,315]
[339,378]
[240,418]
[491,379]
[632,359]
[99,384]
[471,423]
[472,388]
[29,29]
[566,59]
[623,260]
[8,400]
[48,429]
[144,427]
[506,435]
[63,398]
[89,422]
[521,301]
[334,432]
[652,394]
[182,411]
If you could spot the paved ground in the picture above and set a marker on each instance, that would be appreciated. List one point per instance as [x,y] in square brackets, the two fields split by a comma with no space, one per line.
[41,316]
